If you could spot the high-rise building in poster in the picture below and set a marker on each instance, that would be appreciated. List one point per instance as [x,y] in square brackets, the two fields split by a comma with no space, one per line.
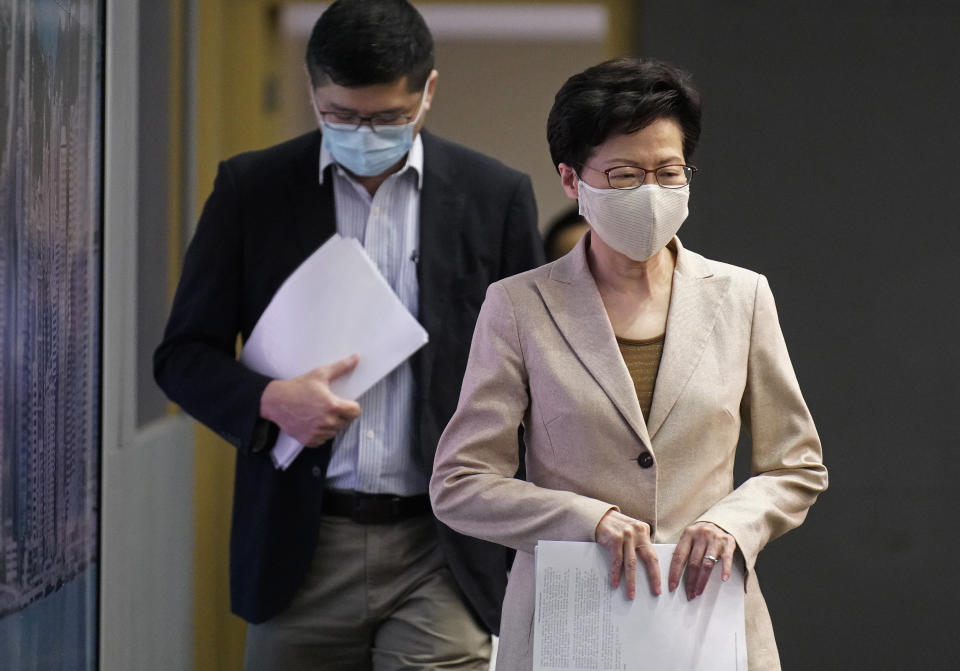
[50,269]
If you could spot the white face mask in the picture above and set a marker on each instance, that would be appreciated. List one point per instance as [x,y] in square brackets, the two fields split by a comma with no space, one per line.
[639,222]
[366,153]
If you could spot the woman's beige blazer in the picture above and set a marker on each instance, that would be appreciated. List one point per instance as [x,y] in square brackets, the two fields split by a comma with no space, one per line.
[544,355]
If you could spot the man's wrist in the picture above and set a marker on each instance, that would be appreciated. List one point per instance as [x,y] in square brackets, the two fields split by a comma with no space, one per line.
[268,400]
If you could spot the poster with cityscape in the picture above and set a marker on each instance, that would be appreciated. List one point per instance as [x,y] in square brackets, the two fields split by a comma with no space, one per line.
[50,274]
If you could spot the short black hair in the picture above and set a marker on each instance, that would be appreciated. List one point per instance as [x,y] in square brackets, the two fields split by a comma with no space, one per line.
[364,42]
[622,95]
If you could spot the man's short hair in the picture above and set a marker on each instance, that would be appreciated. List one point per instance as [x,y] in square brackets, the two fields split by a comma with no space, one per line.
[364,42]
[623,95]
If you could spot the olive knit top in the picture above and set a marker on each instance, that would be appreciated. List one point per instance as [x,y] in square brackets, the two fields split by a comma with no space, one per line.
[643,361]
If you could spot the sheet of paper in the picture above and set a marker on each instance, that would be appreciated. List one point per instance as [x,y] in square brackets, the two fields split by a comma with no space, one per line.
[580,622]
[335,304]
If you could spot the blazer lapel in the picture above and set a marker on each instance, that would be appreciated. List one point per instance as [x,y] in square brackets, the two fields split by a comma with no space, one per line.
[694,305]
[441,211]
[572,298]
[314,213]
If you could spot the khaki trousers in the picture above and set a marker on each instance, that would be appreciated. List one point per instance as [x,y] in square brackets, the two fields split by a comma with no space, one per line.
[377,597]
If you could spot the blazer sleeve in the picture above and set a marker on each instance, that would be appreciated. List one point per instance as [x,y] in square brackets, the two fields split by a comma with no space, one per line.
[522,247]
[195,363]
[787,462]
[472,489]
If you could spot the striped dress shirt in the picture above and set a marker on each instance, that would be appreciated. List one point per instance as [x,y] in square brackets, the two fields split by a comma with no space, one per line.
[375,454]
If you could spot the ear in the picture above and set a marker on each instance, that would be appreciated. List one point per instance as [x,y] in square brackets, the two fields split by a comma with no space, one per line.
[307,81]
[568,180]
[430,89]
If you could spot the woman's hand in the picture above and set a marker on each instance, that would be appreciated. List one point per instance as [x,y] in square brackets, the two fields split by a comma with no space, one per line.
[701,546]
[627,539]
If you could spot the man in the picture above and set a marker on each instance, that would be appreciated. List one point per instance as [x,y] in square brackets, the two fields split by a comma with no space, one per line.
[338,562]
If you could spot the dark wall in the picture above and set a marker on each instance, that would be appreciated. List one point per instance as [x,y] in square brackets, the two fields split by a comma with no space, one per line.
[828,162]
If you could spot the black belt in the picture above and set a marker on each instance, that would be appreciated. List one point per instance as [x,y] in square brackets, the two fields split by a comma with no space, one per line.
[374,508]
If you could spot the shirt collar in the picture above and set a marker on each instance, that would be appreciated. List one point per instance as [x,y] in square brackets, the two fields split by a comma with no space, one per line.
[414,161]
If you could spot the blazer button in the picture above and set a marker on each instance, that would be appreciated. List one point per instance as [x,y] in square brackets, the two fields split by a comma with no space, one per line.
[645,460]
[316,471]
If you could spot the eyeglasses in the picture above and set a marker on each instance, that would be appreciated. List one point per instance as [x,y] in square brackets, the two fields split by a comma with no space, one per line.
[627,177]
[377,122]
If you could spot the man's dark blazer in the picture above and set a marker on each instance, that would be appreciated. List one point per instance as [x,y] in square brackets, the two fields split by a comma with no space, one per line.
[266,215]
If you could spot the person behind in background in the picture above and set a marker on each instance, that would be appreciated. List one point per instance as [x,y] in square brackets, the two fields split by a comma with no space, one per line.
[337,562]
[631,364]
[563,233]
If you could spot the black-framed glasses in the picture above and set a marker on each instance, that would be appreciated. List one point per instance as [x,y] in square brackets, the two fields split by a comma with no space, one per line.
[377,122]
[626,177]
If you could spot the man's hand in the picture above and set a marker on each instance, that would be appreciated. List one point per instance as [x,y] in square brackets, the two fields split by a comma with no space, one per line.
[305,408]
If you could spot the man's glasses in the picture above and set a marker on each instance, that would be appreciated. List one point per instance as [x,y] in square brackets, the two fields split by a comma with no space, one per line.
[377,122]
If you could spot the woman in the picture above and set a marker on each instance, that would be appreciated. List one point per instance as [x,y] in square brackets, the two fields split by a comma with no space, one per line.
[631,363]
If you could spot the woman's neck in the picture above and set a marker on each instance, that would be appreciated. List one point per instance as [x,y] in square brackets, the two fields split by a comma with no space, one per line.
[619,274]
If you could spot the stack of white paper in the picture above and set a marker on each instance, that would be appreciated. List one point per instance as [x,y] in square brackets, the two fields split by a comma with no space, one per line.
[581,622]
[335,304]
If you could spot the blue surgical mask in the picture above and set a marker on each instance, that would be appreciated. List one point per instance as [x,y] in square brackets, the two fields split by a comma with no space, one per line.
[365,153]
